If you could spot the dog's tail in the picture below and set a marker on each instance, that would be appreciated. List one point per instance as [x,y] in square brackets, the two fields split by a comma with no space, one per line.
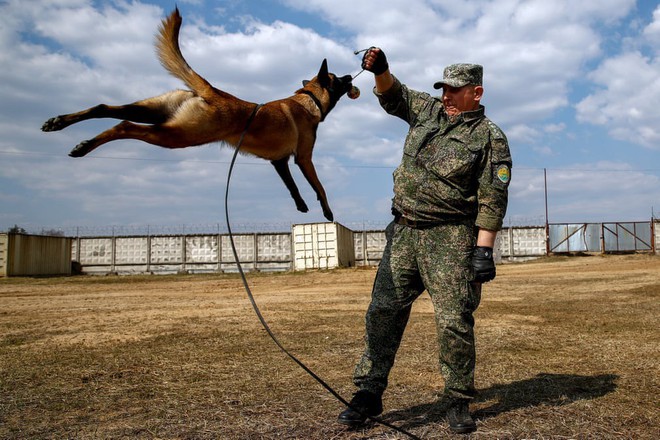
[167,45]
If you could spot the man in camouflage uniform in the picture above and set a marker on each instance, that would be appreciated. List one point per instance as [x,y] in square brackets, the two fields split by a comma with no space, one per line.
[450,197]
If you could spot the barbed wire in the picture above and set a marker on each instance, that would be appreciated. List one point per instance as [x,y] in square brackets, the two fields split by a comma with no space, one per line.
[148,229]
[210,228]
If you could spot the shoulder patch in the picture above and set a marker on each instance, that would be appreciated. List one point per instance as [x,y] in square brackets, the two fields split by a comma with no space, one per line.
[503,173]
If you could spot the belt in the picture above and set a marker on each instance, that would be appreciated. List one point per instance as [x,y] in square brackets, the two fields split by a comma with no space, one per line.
[401,220]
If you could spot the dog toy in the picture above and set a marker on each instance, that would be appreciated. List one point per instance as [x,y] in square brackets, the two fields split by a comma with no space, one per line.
[354,93]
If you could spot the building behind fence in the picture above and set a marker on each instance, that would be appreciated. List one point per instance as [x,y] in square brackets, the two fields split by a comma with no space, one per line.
[311,246]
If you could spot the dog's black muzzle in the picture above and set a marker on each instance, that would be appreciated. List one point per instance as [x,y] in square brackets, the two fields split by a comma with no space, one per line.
[341,86]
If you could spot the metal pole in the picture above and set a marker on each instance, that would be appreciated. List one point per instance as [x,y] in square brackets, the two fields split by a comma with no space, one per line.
[547,225]
[653,234]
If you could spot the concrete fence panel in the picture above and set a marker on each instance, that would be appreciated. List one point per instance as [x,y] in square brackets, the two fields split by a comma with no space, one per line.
[318,246]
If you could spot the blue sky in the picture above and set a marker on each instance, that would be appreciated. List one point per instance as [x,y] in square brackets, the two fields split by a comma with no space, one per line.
[574,85]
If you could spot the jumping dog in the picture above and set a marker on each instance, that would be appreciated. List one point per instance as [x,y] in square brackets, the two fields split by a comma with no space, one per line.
[204,114]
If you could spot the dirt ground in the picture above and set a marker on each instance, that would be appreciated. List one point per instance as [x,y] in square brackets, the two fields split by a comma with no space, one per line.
[568,347]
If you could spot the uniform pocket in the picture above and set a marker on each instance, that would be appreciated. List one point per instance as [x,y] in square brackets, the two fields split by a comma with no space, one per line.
[474,296]
[455,160]
[417,138]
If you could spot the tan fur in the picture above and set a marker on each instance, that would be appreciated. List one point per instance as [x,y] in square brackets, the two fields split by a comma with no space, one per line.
[205,114]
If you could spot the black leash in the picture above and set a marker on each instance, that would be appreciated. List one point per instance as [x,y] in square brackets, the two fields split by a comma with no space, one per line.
[256,308]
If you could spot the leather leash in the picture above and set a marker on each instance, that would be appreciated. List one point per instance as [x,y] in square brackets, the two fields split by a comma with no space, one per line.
[256,307]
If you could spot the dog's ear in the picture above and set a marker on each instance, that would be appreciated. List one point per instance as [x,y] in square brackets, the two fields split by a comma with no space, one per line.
[323,77]
[305,82]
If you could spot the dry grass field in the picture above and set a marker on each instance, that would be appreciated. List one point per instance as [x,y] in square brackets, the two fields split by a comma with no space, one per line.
[568,348]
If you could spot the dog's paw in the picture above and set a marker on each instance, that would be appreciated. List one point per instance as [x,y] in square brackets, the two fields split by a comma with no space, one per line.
[328,214]
[81,149]
[53,124]
[301,206]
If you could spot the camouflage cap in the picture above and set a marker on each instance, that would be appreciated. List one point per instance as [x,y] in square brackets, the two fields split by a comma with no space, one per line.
[459,75]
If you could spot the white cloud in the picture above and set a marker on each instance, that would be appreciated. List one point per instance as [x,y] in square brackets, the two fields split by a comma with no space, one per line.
[554,128]
[585,192]
[65,55]
[652,31]
[535,47]
[576,194]
[522,134]
[626,102]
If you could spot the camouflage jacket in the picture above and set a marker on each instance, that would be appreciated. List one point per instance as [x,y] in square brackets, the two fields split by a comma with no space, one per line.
[451,170]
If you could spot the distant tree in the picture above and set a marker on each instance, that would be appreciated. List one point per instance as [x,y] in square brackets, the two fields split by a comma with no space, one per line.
[17,230]
[52,233]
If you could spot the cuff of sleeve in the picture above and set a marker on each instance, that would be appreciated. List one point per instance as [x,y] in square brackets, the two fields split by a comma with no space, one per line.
[392,91]
[489,222]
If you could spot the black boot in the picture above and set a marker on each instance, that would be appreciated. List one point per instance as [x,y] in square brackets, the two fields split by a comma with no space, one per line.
[458,415]
[363,404]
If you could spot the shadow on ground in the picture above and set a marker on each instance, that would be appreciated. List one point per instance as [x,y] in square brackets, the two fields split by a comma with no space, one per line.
[543,389]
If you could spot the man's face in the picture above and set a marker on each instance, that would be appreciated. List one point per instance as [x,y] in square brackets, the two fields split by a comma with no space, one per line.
[461,99]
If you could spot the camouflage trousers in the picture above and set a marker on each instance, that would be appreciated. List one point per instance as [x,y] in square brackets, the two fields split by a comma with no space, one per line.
[436,259]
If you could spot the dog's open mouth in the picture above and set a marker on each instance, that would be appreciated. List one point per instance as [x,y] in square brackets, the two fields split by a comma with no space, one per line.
[345,85]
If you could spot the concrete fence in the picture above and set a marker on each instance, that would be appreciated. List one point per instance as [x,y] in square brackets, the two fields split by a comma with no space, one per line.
[324,246]
[309,246]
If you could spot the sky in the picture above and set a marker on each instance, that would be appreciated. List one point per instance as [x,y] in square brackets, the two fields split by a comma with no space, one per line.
[574,85]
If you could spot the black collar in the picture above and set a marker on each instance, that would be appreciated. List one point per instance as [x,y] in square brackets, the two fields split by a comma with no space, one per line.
[316,101]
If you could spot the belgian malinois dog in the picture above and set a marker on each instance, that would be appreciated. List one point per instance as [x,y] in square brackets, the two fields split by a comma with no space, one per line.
[183,118]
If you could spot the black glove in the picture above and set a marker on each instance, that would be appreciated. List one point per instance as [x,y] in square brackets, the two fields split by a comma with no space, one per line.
[379,65]
[483,264]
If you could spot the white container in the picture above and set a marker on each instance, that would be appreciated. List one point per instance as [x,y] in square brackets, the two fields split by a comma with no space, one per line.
[322,246]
